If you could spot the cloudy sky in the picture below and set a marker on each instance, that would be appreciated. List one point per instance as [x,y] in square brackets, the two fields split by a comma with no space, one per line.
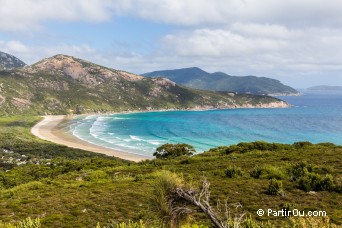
[297,42]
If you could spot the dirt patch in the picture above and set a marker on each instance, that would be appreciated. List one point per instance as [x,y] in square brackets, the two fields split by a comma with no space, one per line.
[21,103]
[2,100]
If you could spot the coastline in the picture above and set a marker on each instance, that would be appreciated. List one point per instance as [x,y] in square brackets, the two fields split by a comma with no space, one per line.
[51,129]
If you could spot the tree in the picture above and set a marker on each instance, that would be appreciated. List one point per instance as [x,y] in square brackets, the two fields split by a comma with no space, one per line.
[169,150]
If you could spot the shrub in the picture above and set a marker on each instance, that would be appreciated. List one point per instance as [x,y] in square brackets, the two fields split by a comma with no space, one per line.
[26,223]
[129,224]
[96,176]
[326,144]
[233,172]
[164,199]
[267,172]
[257,145]
[256,172]
[33,185]
[315,182]
[309,178]
[338,189]
[275,187]
[168,151]
[273,172]
[29,223]
[298,145]
[289,206]
[138,177]
[321,222]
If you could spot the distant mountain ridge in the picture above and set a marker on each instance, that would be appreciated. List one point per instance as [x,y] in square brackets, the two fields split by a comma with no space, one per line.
[66,85]
[195,77]
[8,62]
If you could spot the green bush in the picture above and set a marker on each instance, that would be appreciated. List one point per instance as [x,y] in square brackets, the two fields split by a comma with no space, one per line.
[316,182]
[289,206]
[275,187]
[310,178]
[27,223]
[256,172]
[298,145]
[129,224]
[233,171]
[96,176]
[30,186]
[169,150]
[258,145]
[163,199]
[267,172]
[338,189]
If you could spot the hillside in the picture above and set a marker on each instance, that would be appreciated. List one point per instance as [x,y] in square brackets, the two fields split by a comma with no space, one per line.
[64,84]
[67,187]
[200,79]
[8,62]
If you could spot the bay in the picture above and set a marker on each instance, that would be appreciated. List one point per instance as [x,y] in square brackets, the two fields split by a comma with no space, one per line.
[314,117]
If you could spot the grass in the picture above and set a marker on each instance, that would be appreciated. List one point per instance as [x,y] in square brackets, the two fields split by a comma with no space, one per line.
[74,188]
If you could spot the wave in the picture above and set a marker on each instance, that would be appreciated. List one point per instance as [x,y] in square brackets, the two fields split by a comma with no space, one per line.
[144,132]
[149,141]
[120,118]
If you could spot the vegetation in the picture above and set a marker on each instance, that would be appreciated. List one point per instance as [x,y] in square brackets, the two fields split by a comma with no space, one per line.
[27,223]
[275,187]
[66,187]
[233,172]
[199,79]
[169,151]
[64,85]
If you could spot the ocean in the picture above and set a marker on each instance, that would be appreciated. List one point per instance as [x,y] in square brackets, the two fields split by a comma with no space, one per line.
[314,117]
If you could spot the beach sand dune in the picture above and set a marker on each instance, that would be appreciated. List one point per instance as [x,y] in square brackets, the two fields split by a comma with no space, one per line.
[50,129]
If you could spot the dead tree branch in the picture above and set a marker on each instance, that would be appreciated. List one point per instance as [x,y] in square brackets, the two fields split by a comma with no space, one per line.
[202,201]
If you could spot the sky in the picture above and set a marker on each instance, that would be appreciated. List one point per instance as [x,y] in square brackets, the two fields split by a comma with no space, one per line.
[296,42]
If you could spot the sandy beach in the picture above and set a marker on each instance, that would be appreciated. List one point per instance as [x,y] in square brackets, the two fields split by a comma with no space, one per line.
[50,129]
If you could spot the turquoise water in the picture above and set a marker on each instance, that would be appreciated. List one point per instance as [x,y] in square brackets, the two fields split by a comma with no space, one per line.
[314,117]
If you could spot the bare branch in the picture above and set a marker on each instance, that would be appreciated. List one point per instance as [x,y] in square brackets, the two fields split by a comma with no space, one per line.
[202,201]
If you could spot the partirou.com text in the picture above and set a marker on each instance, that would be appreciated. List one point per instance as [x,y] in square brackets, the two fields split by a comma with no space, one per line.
[288,213]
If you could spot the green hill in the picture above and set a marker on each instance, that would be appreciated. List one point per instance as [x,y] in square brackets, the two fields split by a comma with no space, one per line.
[8,61]
[67,187]
[200,79]
[64,84]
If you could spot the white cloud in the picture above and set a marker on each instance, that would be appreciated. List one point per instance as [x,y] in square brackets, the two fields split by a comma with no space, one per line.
[291,55]
[291,40]
[31,54]
[19,15]
[220,43]
[199,12]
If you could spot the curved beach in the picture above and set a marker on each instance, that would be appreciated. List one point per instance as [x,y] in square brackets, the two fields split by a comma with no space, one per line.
[50,129]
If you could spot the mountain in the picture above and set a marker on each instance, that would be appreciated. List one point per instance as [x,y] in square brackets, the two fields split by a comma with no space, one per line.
[197,78]
[8,62]
[65,85]
[325,88]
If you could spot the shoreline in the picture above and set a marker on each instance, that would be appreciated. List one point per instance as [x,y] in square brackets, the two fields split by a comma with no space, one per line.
[51,129]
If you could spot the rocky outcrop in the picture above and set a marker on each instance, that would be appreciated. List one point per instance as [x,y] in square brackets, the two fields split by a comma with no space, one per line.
[67,85]
[88,73]
[9,62]
[2,100]
[21,103]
